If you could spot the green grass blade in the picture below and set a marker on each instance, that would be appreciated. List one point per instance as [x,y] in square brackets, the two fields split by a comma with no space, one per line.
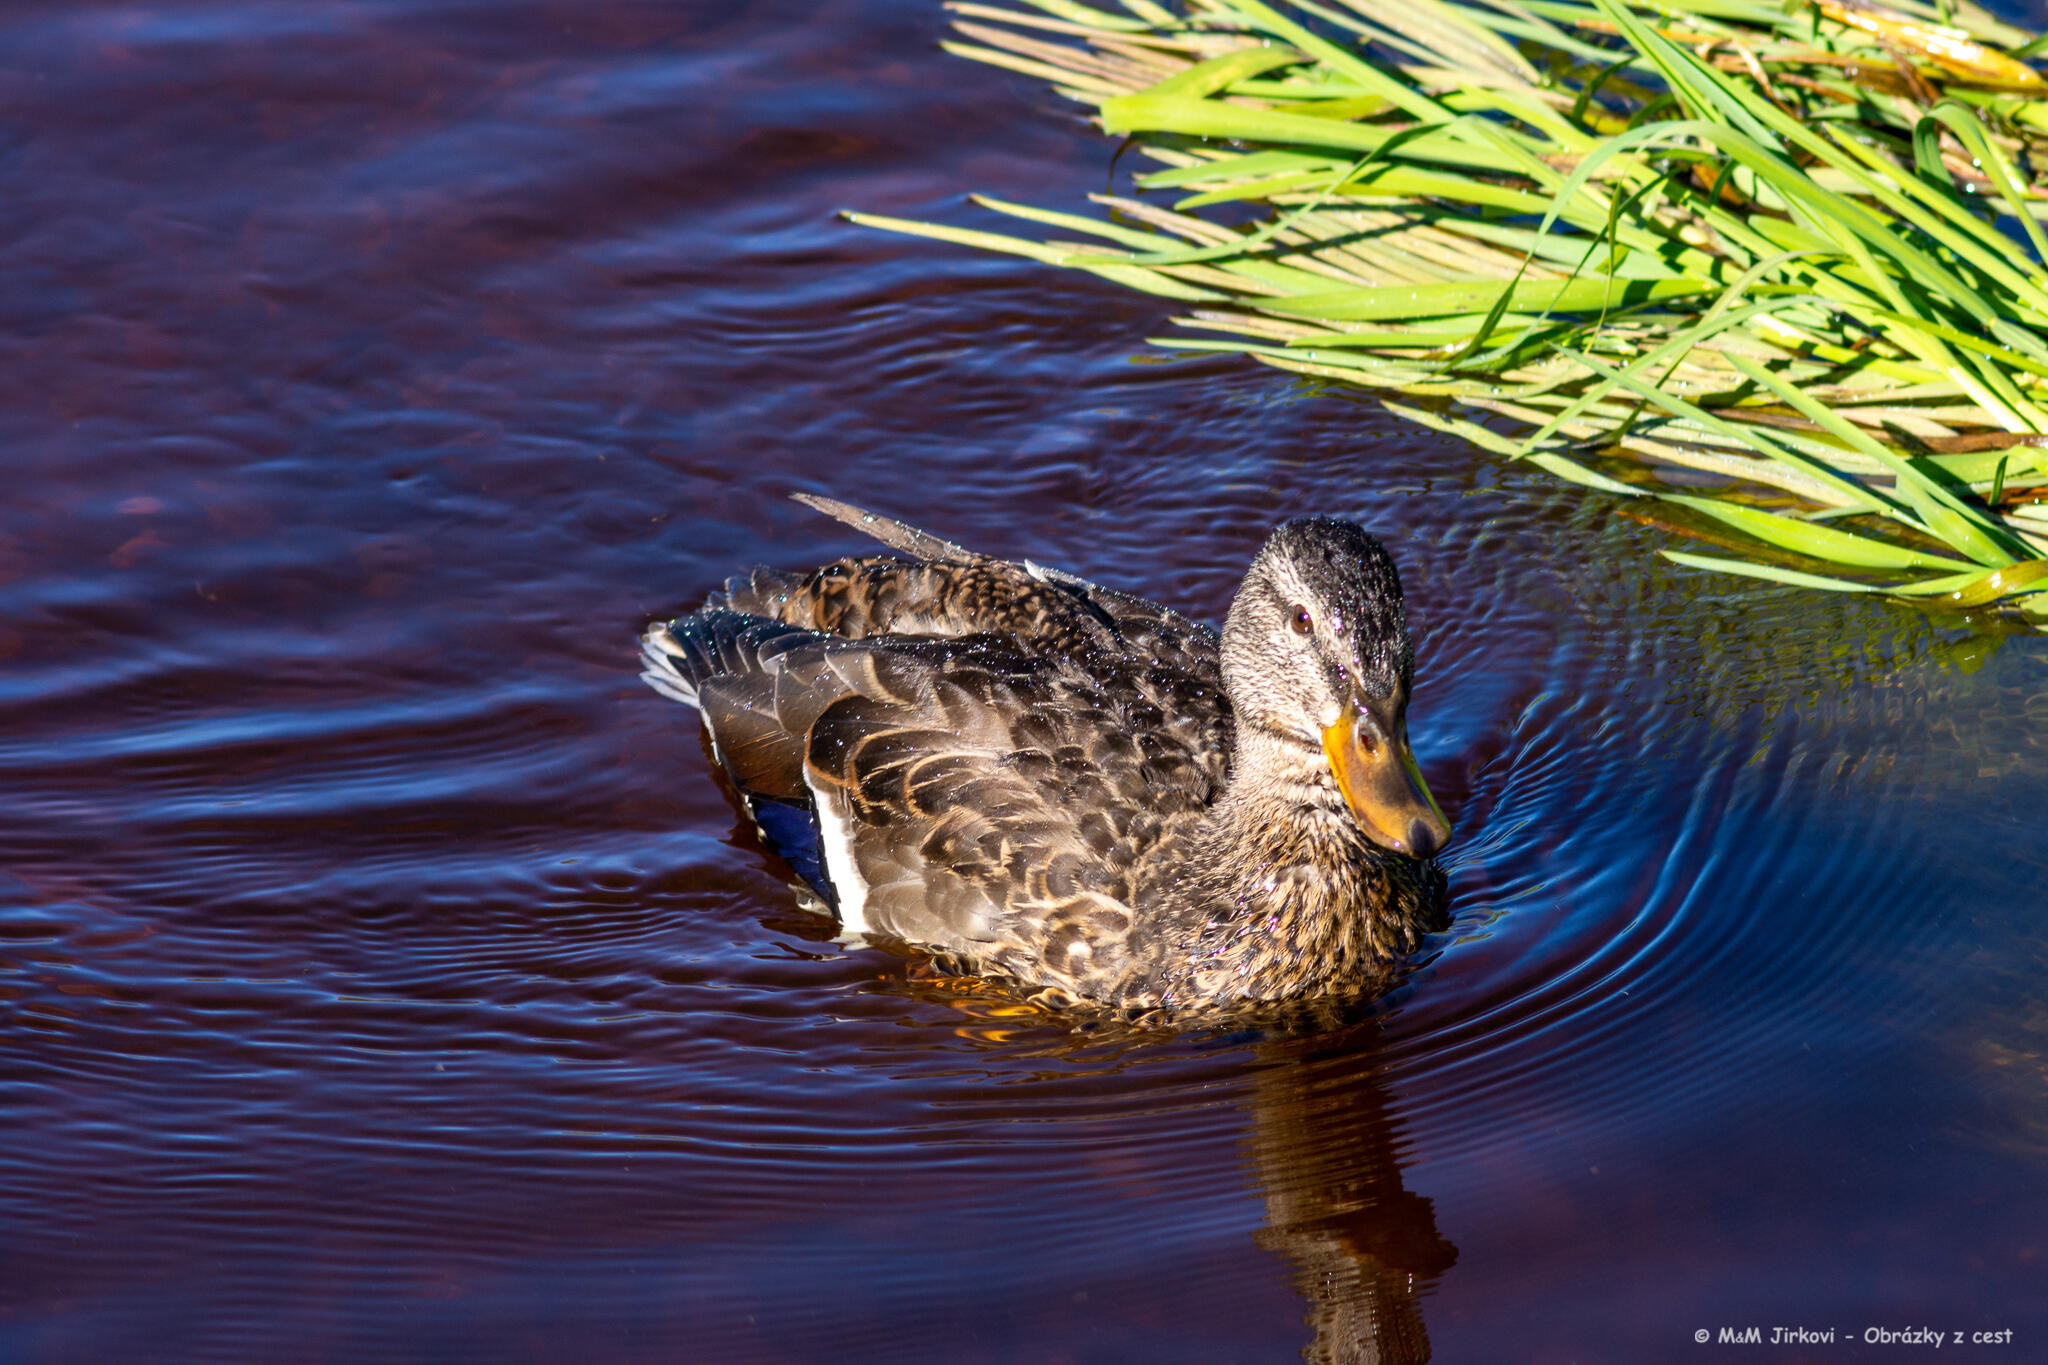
[1817,542]
[1769,572]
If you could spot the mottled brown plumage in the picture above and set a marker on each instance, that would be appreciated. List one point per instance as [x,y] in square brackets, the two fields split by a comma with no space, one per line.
[1055,782]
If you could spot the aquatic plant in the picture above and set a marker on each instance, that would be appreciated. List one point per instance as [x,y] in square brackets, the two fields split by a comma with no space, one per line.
[1774,273]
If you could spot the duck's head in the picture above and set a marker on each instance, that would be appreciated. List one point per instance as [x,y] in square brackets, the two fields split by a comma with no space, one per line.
[1316,655]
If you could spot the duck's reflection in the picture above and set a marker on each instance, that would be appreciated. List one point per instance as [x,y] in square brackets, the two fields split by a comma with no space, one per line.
[1324,1148]
[1365,1248]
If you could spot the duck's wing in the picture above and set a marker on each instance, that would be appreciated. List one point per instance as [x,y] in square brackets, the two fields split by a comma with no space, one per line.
[1005,805]
[951,590]
[971,796]
[760,686]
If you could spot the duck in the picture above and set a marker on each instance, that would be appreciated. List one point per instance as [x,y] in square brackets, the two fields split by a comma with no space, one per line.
[1071,789]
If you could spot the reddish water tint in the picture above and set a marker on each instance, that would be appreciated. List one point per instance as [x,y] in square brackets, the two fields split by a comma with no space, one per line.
[384,974]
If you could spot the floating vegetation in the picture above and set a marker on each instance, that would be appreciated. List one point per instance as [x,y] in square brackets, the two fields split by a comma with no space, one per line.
[1780,269]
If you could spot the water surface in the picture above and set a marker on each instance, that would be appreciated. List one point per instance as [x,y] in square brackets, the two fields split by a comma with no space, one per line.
[383,972]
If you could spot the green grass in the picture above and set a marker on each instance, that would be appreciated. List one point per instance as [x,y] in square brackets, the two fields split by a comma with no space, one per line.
[1780,268]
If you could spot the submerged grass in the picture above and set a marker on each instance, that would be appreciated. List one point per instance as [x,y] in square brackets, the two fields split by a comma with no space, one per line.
[1780,267]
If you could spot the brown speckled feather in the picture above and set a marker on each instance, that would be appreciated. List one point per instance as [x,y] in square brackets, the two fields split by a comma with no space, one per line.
[1044,787]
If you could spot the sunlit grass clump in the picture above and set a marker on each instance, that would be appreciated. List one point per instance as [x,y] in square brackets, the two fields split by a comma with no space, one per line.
[1779,266]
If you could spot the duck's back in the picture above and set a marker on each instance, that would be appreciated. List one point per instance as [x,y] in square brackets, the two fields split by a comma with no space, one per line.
[1003,761]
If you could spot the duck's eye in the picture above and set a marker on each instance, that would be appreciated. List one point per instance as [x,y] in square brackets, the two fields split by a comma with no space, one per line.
[1303,623]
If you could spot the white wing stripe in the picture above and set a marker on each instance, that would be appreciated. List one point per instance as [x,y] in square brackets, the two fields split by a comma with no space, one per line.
[835,840]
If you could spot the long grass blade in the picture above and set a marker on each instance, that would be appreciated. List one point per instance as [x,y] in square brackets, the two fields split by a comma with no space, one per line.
[1798,255]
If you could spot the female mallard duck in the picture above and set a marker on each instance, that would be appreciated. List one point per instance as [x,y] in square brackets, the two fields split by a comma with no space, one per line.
[1075,788]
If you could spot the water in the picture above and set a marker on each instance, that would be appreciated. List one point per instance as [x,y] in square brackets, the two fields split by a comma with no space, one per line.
[383,972]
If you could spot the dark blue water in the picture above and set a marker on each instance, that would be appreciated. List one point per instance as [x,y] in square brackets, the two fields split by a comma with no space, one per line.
[384,974]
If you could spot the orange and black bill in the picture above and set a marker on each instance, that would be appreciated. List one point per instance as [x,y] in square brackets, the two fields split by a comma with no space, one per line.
[1376,770]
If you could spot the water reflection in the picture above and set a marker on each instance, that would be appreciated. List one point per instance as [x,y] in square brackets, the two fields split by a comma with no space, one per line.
[1323,1142]
[1366,1249]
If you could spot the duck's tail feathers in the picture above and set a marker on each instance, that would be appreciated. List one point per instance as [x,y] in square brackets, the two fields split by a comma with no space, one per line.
[680,656]
[891,532]
[659,652]
[758,684]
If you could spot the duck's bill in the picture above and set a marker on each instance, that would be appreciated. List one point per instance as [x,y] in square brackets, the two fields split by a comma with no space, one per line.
[1381,783]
